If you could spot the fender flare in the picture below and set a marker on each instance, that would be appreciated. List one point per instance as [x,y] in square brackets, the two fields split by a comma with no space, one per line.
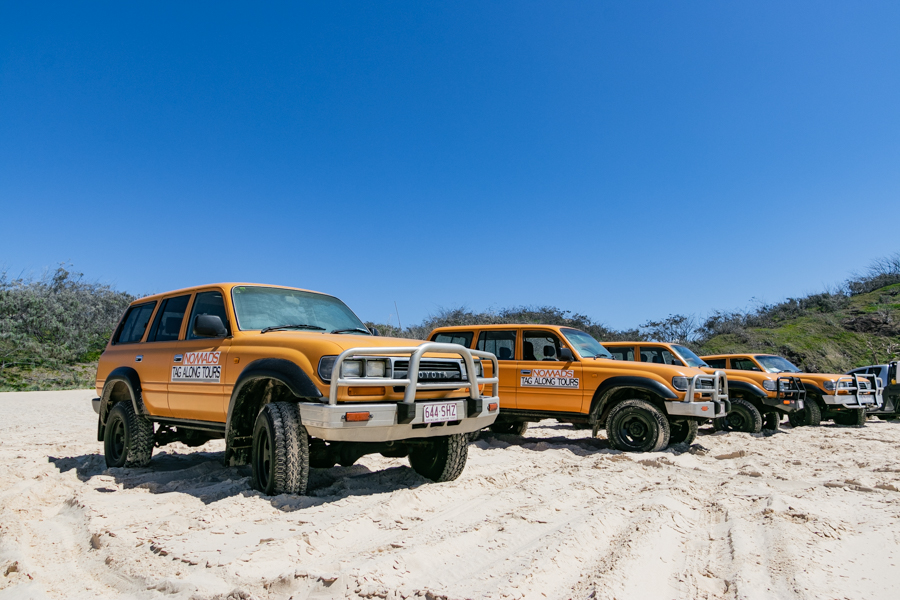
[129,377]
[606,389]
[811,387]
[743,386]
[279,369]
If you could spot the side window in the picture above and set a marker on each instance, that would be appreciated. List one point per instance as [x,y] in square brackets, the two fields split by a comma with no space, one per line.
[207,303]
[540,345]
[743,364]
[167,324]
[135,323]
[660,356]
[716,363]
[621,352]
[500,343]
[463,338]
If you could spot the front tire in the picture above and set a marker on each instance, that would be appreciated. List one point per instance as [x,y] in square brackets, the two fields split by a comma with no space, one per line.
[771,420]
[280,456]
[683,431]
[810,416]
[743,416]
[443,459]
[854,418]
[128,438]
[637,426]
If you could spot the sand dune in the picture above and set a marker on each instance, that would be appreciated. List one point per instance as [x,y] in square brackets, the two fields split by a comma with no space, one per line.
[804,513]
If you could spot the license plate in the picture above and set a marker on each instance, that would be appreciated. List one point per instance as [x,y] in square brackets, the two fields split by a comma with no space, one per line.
[438,413]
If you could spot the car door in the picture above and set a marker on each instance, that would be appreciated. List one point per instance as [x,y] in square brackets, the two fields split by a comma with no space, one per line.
[197,382]
[161,347]
[502,344]
[129,350]
[544,381]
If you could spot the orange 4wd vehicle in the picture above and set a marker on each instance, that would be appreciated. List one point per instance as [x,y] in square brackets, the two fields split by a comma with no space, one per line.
[565,374]
[291,379]
[843,398]
[758,399]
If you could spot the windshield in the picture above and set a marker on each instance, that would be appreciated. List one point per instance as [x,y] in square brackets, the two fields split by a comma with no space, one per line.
[777,364]
[260,307]
[585,344]
[689,357]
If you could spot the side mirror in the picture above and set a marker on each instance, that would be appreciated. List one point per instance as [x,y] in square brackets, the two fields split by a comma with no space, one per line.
[209,326]
[566,355]
[374,330]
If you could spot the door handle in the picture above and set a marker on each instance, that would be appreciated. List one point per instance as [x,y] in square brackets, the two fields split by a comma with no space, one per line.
[178,357]
[139,358]
[526,372]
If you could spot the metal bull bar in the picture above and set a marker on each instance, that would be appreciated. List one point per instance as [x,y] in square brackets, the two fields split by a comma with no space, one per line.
[411,382]
[790,386]
[718,393]
[855,389]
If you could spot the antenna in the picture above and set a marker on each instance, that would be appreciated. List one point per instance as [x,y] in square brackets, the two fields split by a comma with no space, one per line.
[398,315]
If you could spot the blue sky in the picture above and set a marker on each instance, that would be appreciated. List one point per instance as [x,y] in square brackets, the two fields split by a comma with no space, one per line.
[626,160]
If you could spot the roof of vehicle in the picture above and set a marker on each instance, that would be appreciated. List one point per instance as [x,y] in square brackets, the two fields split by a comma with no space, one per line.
[501,326]
[225,286]
[737,354]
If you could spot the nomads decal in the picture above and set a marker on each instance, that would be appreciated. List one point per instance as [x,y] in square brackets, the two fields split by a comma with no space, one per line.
[198,367]
[556,378]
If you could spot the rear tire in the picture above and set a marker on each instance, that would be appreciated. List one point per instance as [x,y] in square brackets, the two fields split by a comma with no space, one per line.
[810,416]
[510,427]
[637,426]
[854,418]
[683,431]
[743,416]
[441,460]
[280,456]
[771,420]
[128,438]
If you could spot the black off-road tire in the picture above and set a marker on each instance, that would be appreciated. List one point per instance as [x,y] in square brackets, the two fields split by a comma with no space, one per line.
[280,451]
[509,427]
[854,418]
[771,420]
[743,416]
[888,417]
[637,426]
[441,460]
[809,416]
[128,439]
[683,431]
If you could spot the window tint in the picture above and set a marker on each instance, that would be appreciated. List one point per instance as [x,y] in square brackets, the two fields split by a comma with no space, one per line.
[135,323]
[167,324]
[744,364]
[500,343]
[463,338]
[622,352]
[207,303]
[716,363]
[258,307]
[660,356]
[540,345]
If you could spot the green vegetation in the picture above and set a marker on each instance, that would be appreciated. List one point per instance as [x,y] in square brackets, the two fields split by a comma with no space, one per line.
[53,330]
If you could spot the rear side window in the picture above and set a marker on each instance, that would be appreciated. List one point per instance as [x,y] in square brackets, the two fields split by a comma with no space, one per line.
[463,338]
[660,356]
[135,323]
[744,364]
[621,353]
[208,303]
[715,363]
[501,344]
[167,324]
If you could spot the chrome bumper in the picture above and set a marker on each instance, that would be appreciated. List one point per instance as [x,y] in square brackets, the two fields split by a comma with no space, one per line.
[858,397]
[329,422]
[713,402]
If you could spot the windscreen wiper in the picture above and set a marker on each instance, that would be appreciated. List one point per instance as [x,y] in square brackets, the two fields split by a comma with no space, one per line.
[351,330]
[295,326]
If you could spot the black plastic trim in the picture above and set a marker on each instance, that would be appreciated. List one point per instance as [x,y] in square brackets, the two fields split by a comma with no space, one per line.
[746,387]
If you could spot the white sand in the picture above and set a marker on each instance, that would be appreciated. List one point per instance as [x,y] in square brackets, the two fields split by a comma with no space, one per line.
[806,513]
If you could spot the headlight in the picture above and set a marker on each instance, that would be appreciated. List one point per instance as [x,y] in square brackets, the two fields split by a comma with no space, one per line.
[376,368]
[769,384]
[829,385]
[479,368]
[680,383]
[352,368]
[326,366]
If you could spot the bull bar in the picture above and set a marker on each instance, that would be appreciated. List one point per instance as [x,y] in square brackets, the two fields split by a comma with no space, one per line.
[718,398]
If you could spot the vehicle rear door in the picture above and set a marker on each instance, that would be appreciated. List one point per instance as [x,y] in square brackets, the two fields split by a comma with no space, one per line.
[502,344]
[197,380]
[128,350]
[545,382]
[161,346]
